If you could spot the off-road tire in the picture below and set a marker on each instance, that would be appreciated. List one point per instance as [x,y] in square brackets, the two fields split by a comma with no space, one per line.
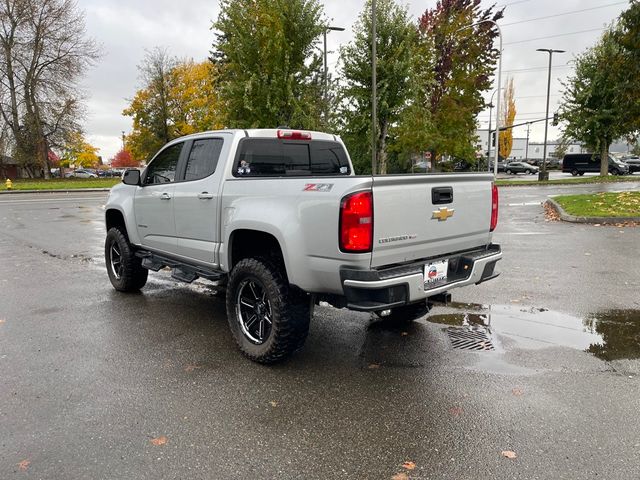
[130,276]
[407,313]
[290,311]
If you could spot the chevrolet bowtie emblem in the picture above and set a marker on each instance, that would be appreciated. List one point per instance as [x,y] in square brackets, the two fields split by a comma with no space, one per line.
[442,214]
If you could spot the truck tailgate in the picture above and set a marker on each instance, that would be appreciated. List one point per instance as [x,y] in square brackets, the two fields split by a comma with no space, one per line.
[414,217]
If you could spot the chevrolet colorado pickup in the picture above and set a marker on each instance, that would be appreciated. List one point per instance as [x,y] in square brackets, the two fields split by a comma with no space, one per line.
[279,218]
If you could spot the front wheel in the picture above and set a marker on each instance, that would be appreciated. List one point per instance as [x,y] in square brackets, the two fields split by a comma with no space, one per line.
[528,172]
[125,269]
[269,319]
[574,173]
[508,172]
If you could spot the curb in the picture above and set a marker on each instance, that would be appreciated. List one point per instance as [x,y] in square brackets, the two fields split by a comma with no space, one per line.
[61,190]
[564,216]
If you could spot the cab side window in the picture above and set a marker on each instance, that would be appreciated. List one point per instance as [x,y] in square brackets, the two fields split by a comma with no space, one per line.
[203,158]
[163,168]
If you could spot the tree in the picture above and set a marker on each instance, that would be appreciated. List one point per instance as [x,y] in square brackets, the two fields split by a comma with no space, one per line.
[79,153]
[193,101]
[178,98]
[150,105]
[591,105]
[43,56]
[268,70]
[508,116]
[561,148]
[394,46]
[461,63]
[627,35]
[124,159]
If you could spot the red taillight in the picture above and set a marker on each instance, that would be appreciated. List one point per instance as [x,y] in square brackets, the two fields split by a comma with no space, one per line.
[494,208]
[356,223]
[293,135]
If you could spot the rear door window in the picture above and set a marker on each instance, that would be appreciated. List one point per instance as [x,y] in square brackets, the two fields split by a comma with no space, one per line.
[262,157]
[203,158]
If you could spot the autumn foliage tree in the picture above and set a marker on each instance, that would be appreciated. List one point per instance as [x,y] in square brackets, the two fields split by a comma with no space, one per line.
[460,60]
[124,159]
[508,116]
[178,98]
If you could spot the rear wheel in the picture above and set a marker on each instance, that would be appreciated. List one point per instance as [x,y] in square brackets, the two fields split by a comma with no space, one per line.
[508,172]
[269,319]
[528,172]
[574,173]
[125,269]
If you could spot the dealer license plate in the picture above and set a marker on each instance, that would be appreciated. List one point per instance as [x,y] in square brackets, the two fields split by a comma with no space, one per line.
[435,273]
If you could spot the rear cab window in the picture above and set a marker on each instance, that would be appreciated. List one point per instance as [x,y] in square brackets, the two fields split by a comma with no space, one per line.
[272,157]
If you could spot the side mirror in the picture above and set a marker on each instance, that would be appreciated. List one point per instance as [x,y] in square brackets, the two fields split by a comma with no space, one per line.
[131,177]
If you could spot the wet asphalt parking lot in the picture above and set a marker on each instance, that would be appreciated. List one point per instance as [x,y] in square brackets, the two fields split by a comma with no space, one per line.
[97,384]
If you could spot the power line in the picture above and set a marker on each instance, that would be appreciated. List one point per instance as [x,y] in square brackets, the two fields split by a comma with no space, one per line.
[562,14]
[556,36]
[512,3]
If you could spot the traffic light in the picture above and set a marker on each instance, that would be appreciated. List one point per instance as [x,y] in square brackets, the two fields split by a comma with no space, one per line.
[554,122]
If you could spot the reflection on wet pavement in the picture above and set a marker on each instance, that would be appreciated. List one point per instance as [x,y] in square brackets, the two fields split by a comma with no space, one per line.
[609,335]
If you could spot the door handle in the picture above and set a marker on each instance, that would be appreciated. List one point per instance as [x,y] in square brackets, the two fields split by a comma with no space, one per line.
[165,196]
[205,196]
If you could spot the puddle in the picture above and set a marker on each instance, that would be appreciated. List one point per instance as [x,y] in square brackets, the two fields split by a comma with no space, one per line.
[609,335]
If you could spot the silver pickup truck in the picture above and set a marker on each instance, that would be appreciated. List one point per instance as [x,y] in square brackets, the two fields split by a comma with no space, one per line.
[279,218]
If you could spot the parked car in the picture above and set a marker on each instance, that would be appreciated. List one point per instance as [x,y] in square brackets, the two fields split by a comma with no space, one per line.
[81,173]
[633,163]
[501,165]
[520,167]
[280,218]
[581,163]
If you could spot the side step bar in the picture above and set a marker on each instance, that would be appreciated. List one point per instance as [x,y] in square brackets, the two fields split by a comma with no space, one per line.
[180,271]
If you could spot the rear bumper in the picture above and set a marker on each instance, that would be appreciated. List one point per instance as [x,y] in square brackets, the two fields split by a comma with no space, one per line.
[372,290]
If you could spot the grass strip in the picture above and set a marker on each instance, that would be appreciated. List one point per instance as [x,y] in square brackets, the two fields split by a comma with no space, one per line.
[623,204]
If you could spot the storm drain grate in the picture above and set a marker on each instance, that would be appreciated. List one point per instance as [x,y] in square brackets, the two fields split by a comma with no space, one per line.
[469,338]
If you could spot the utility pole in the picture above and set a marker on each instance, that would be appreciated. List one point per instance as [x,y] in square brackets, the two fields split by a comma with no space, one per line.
[543,174]
[374,115]
[489,140]
[123,145]
[526,152]
[325,75]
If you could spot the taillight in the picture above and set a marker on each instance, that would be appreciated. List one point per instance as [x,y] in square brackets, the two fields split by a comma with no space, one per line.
[494,207]
[294,135]
[356,223]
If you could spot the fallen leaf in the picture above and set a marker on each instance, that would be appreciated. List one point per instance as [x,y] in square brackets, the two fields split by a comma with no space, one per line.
[273,404]
[455,411]
[400,476]
[373,366]
[404,334]
[517,392]
[509,454]
[409,465]
[191,368]
[161,440]
[24,464]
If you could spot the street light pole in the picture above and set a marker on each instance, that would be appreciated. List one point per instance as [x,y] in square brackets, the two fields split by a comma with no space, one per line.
[543,174]
[325,75]
[374,100]
[489,140]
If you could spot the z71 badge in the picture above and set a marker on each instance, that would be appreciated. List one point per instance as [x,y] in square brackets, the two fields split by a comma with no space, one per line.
[318,187]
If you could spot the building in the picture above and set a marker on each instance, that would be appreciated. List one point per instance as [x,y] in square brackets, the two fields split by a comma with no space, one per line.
[518,149]
[8,168]
[523,149]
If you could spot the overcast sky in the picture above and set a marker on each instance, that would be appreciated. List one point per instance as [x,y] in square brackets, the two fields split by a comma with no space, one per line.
[125,28]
